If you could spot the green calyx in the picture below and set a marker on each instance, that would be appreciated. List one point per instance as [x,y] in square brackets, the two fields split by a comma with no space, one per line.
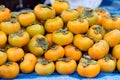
[42,42]
[64,31]
[87,12]
[108,57]
[86,62]
[2,7]
[8,63]
[45,6]
[98,29]
[2,50]
[65,59]
[44,61]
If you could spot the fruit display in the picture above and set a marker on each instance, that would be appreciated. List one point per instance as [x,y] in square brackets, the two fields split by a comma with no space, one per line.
[58,39]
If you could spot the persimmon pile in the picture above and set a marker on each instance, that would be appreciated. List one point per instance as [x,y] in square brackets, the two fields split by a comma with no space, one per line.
[59,39]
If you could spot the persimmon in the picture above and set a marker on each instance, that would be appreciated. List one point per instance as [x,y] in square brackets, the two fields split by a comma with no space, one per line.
[3,39]
[118,64]
[72,52]
[38,45]
[5,13]
[88,68]
[53,24]
[60,5]
[44,67]
[26,18]
[44,12]
[35,29]
[49,39]
[15,54]
[101,14]
[90,15]
[66,66]
[96,32]
[10,26]
[3,56]
[112,37]
[69,14]
[107,64]
[19,39]
[99,49]
[78,26]
[82,42]
[9,70]
[27,65]
[115,51]
[56,52]
[62,37]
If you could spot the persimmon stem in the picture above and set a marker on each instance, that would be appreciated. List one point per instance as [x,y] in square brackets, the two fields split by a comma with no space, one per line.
[87,12]
[86,62]
[8,63]
[108,57]
[45,6]
[64,59]
[64,31]
[2,7]
[41,42]
[98,29]
[44,61]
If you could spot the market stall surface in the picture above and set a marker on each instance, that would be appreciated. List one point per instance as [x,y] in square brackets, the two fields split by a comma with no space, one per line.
[74,76]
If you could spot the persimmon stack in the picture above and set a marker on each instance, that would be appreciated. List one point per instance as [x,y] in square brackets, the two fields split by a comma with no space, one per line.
[57,38]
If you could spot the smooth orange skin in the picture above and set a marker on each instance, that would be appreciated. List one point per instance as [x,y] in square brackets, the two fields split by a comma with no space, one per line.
[5,14]
[92,20]
[45,70]
[10,71]
[72,52]
[101,15]
[49,39]
[54,55]
[9,27]
[80,9]
[89,71]
[117,24]
[53,24]
[112,37]
[3,39]
[116,51]
[28,64]
[3,57]
[63,67]
[108,23]
[99,22]
[62,39]
[26,19]
[77,27]
[95,36]
[83,43]
[99,50]
[33,48]
[59,6]
[118,64]
[107,66]
[35,29]
[19,41]
[69,14]
[15,54]
[43,13]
